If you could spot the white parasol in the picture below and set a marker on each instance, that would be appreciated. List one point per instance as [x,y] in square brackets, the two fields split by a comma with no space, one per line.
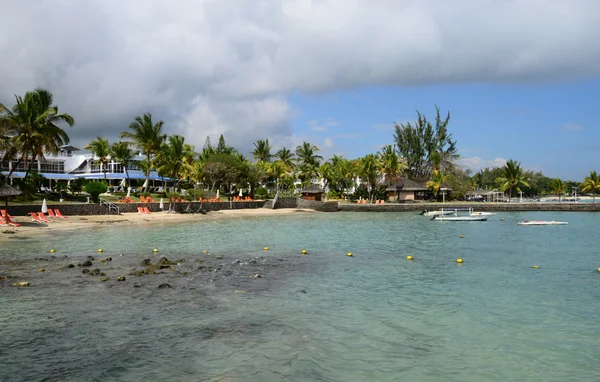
[161,204]
[44,207]
[241,192]
[217,194]
[145,184]
[122,183]
[128,191]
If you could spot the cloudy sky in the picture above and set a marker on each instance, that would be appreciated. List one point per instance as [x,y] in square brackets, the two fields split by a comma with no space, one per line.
[520,77]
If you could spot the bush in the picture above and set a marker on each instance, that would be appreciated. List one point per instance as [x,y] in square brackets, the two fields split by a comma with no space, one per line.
[95,189]
[261,193]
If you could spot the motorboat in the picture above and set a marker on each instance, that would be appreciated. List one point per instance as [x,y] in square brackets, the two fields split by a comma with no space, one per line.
[474,213]
[456,217]
[541,222]
[436,213]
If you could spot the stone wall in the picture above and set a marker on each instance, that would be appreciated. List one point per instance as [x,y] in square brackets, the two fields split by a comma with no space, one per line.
[97,209]
[317,206]
[488,207]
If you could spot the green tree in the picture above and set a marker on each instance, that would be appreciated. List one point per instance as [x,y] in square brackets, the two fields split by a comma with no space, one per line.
[512,178]
[175,158]
[308,162]
[148,137]
[101,149]
[122,153]
[222,148]
[327,173]
[424,146]
[262,150]
[95,189]
[558,188]
[286,157]
[591,184]
[222,169]
[390,163]
[32,128]
[437,181]
[369,171]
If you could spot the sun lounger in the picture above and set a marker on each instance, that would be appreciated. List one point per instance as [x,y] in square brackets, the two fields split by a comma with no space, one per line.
[58,214]
[35,217]
[141,211]
[146,210]
[43,217]
[7,221]
[51,213]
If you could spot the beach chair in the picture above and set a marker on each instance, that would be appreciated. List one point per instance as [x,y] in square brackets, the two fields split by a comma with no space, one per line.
[141,211]
[43,217]
[146,210]
[35,217]
[51,213]
[7,221]
[58,214]
[364,201]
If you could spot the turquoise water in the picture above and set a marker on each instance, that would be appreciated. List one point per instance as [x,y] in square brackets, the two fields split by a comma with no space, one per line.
[325,316]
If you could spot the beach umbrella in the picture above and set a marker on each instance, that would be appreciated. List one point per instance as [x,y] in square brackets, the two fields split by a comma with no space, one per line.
[128,191]
[69,183]
[217,194]
[44,207]
[241,192]
[161,205]
[145,184]
[122,183]
[6,191]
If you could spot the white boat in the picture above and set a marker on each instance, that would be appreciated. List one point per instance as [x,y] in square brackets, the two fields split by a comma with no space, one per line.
[456,217]
[436,213]
[541,222]
[482,213]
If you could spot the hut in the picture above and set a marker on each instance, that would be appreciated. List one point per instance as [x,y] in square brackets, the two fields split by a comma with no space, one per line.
[6,191]
[407,190]
[312,193]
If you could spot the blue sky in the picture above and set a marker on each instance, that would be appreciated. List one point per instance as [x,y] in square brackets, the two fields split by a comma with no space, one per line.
[547,127]
[519,77]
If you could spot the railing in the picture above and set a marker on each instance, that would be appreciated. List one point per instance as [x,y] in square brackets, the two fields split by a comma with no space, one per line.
[111,206]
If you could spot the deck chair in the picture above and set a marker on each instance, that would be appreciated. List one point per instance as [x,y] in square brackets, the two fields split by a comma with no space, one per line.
[146,210]
[58,214]
[43,217]
[7,221]
[35,217]
[141,211]
[51,213]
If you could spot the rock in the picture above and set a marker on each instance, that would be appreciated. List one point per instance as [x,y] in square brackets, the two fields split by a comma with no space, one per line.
[257,276]
[41,270]
[95,272]
[137,285]
[91,258]
[86,263]
[104,279]
[146,262]
[199,261]
[227,273]
[220,257]
[164,261]
[103,261]
[21,284]
[163,286]
[121,278]
[70,266]
[109,259]
[85,271]
[102,274]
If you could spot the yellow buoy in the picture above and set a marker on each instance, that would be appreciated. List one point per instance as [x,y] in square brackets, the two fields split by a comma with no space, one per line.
[349,254]
[304,251]
[408,257]
[462,237]
[205,251]
[598,269]
[155,250]
[100,250]
[536,266]
[459,261]
[501,219]
[52,251]
[266,248]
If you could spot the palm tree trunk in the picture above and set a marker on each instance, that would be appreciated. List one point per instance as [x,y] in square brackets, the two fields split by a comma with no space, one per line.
[147,172]
[127,175]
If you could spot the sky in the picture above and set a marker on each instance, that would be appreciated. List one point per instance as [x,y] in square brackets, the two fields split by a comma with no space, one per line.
[519,77]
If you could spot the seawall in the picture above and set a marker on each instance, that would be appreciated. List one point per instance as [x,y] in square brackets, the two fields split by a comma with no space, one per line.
[487,207]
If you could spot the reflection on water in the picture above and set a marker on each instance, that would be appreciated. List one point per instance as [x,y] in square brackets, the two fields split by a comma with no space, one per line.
[323,316]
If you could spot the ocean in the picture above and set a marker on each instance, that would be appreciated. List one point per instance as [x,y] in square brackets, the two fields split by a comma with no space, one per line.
[238,312]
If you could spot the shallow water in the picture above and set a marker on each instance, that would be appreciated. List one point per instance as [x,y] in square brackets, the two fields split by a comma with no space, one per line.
[325,316]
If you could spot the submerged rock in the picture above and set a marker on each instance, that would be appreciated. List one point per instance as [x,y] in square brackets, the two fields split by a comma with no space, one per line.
[91,258]
[86,263]
[146,262]
[257,276]
[70,266]
[104,279]
[41,270]
[137,285]
[21,284]
[121,278]
[163,286]
[85,271]
[95,272]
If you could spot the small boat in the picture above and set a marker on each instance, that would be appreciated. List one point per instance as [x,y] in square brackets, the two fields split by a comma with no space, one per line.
[482,213]
[436,213]
[541,222]
[455,217]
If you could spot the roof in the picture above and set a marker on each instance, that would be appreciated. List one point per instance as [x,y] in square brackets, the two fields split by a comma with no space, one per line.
[313,189]
[69,147]
[407,185]
[7,190]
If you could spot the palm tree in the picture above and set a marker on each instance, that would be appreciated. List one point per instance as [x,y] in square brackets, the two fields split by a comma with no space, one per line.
[306,153]
[120,152]
[262,150]
[286,157]
[327,174]
[513,178]
[32,126]
[174,158]
[369,170]
[591,184]
[390,163]
[558,188]
[277,170]
[436,182]
[100,148]
[148,137]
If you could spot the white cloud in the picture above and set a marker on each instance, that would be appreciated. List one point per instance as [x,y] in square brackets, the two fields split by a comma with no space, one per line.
[328,143]
[208,67]
[572,127]
[476,163]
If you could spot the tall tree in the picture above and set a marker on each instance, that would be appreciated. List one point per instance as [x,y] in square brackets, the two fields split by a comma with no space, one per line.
[436,182]
[262,151]
[424,146]
[591,184]
[369,171]
[32,126]
[122,153]
[512,178]
[148,137]
[308,162]
[390,163]
[286,157]
[222,147]
[101,150]
[559,188]
[175,158]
